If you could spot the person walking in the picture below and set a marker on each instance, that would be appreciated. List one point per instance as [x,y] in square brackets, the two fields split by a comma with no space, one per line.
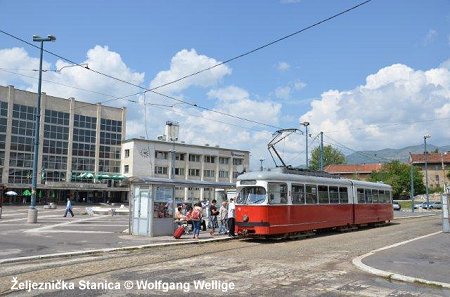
[223,216]
[68,208]
[196,218]
[231,216]
[213,212]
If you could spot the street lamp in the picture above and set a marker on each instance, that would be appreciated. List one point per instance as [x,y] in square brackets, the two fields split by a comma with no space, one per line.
[306,124]
[32,212]
[261,168]
[426,168]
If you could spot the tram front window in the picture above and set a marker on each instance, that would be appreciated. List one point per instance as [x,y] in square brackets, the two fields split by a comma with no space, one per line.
[252,195]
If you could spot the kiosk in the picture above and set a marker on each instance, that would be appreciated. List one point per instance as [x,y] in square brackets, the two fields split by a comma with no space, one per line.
[152,203]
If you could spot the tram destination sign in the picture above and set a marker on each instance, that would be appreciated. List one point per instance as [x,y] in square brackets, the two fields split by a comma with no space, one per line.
[248,182]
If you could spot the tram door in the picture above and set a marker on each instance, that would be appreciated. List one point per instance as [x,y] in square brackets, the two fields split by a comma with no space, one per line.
[141,212]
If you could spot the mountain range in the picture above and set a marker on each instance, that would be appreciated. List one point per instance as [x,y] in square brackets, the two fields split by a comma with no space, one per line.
[387,155]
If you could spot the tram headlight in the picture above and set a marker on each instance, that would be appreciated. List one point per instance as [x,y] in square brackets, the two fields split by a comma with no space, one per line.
[245,218]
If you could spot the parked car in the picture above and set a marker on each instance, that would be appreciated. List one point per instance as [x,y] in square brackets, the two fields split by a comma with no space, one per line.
[434,205]
[396,205]
[422,205]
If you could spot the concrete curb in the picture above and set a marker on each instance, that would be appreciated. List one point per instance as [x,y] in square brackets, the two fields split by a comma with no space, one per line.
[395,276]
[102,251]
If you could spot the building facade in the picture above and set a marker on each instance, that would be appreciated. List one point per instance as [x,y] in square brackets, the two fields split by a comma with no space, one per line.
[438,165]
[152,158]
[353,171]
[78,141]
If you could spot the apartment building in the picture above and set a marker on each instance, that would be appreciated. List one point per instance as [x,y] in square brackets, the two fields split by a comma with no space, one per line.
[153,158]
[438,166]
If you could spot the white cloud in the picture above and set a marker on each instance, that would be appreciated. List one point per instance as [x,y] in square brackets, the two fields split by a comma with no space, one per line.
[361,118]
[55,83]
[184,63]
[283,66]
[285,92]
[430,37]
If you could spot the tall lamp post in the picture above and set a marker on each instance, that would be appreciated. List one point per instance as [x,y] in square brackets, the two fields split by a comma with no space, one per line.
[426,168]
[306,124]
[32,212]
[261,168]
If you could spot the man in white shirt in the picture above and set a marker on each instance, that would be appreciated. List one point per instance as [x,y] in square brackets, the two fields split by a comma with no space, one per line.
[68,207]
[231,217]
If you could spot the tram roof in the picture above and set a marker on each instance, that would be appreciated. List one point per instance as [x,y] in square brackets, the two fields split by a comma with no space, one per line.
[283,174]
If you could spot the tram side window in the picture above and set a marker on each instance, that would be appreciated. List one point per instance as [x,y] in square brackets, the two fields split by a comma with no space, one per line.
[311,194]
[334,195]
[323,194]
[381,197]
[298,194]
[368,193]
[277,193]
[386,197]
[360,193]
[375,198]
[343,195]
[251,195]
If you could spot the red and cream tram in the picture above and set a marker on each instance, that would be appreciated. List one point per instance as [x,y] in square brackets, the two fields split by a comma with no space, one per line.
[284,202]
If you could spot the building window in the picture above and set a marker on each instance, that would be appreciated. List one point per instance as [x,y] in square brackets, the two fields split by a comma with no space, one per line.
[223,160]
[127,153]
[161,155]
[209,159]
[194,172]
[179,171]
[238,161]
[160,170]
[208,173]
[223,174]
[235,174]
[194,158]
[179,157]
[126,168]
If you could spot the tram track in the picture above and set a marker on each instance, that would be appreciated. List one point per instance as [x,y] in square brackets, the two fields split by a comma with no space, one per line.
[68,271]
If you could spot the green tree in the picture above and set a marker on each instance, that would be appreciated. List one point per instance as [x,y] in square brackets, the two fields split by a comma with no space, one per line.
[397,175]
[330,156]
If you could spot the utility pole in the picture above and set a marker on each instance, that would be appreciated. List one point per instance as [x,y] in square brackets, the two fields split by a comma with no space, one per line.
[426,169]
[306,124]
[321,151]
[261,168]
[411,176]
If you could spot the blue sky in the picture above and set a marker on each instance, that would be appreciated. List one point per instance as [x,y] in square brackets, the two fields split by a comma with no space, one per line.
[383,63]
